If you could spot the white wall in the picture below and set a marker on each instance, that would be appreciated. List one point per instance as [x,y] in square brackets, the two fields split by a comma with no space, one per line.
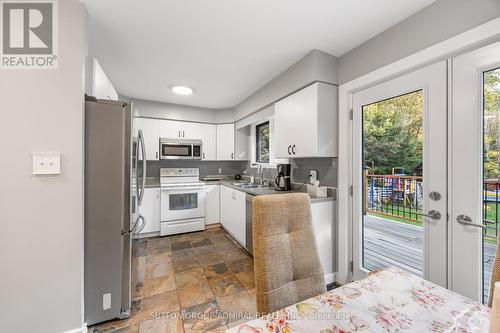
[41,243]
[315,66]
[180,112]
[433,24]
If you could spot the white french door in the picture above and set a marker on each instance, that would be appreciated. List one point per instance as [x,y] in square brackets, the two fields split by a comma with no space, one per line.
[426,173]
[400,175]
[474,170]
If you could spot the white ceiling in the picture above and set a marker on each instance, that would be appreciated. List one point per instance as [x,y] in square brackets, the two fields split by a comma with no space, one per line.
[225,49]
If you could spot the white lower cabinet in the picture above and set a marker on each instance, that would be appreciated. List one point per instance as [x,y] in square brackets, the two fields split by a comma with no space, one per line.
[233,213]
[150,209]
[324,230]
[212,200]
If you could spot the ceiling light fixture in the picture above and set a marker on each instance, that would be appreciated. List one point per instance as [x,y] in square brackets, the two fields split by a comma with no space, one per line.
[182,90]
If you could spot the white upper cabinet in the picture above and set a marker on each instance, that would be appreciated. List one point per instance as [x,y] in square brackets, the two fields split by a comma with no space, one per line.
[172,129]
[209,142]
[225,142]
[151,132]
[306,123]
[191,130]
[101,86]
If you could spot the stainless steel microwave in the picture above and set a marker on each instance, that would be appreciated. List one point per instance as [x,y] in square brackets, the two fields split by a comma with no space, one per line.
[175,149]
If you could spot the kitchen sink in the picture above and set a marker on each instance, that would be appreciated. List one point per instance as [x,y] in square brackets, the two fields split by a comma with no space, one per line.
[248,185]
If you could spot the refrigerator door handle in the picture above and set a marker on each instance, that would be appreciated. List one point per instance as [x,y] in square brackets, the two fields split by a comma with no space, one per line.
[144,169]
[135,230]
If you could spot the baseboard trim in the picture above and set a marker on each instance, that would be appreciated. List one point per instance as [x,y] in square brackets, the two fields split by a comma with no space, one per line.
[330,278]
[212,226]
[82,329]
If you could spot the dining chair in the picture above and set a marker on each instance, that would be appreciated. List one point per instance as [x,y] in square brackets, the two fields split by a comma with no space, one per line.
[495,311]
[495,274]
[286,260]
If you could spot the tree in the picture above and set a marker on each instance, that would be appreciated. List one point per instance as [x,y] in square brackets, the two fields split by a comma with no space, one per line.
[393,135]
[491,124]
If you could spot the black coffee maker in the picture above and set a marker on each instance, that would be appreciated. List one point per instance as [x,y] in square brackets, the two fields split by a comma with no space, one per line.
[283,181]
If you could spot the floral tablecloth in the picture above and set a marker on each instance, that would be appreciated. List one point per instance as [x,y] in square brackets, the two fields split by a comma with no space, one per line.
[391,300]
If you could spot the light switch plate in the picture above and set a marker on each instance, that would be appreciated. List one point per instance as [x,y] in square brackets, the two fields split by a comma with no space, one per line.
[46,164]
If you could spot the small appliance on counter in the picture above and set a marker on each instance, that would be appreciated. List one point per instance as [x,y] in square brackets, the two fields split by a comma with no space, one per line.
[283,181]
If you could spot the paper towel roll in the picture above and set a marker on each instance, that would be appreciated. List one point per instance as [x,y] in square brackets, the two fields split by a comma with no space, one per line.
[495,310]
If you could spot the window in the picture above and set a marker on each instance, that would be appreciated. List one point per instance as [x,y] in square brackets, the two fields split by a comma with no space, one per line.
[262,143]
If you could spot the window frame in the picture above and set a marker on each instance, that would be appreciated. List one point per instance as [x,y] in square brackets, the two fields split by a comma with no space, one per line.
[257,155]
[273,161]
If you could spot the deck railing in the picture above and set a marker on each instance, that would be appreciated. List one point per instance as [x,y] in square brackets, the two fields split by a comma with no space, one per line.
[401,198]
[491,206]
[393,195]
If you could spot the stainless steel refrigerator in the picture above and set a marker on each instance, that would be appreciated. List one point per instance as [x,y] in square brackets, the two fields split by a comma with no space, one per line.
[114,185]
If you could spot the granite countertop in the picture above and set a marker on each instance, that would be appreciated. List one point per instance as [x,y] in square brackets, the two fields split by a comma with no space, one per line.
[152,182]
[269,190]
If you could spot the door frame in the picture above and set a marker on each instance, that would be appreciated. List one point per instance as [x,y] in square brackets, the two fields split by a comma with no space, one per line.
[482,35]
[432,81]
[466,175]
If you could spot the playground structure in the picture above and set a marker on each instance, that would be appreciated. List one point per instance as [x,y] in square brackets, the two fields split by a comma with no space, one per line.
[395,195]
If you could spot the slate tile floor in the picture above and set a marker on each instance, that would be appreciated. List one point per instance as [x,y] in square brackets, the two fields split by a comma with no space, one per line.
[196,282]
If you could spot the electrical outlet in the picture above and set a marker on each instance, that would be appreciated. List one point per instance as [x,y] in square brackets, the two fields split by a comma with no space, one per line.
[106,301]
[314,176]
[46,164]
[220,171]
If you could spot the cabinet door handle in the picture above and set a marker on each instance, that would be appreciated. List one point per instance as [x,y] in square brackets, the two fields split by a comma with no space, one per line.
[179,134]
[232,156]
[203,155]
[289,153]
[183,134]
[293,149]
[156,154]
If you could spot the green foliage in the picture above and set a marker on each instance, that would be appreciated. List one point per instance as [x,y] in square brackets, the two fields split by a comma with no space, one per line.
[491,124]
[263,143]
[393,135]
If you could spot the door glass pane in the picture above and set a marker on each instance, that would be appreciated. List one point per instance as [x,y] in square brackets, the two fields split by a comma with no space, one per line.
[491,173]
[183,201]
[393,183]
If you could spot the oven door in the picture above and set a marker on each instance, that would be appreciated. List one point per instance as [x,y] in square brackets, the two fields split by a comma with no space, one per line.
[173,150]
[182,203]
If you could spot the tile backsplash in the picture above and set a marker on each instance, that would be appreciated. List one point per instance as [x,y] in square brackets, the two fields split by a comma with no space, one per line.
[326,167]
[206,167]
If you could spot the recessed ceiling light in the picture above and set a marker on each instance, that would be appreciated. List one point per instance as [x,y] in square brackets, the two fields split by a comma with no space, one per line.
[182,90]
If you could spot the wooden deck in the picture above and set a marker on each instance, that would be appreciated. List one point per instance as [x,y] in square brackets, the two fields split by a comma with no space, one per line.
[389,243]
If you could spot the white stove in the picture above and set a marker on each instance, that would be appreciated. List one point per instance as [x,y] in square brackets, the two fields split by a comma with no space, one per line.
[182,201]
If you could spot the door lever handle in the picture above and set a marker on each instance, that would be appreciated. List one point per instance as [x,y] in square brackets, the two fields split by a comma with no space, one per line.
[433,214]
[466,220]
